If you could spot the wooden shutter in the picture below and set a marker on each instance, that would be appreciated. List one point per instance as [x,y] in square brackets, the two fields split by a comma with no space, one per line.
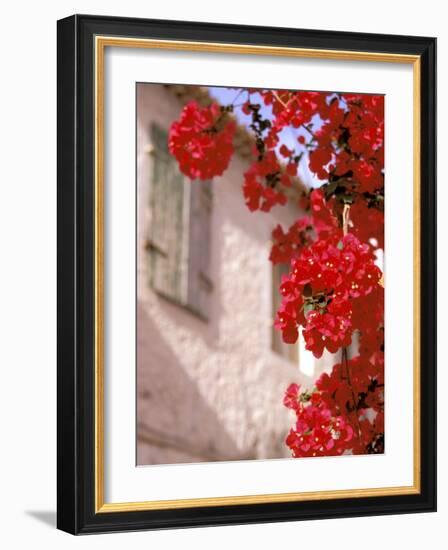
[199,280]
[179,238]
[167,238]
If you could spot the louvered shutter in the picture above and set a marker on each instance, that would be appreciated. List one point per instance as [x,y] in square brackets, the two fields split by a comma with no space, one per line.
[199,280]
[167,238]
[179,238]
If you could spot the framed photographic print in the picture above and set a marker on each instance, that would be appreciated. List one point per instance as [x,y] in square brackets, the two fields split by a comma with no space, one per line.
[246,274]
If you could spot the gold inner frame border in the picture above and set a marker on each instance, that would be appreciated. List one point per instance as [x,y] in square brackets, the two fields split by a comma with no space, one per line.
[101,42]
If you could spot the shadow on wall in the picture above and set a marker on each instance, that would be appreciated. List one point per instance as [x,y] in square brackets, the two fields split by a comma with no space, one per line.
[174,423]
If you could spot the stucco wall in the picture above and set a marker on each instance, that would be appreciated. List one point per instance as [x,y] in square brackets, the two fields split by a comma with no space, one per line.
[210,390]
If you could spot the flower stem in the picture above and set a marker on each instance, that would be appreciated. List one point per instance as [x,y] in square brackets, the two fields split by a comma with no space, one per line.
[345,218]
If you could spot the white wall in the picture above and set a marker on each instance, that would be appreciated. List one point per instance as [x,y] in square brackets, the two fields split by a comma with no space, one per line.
[28,272]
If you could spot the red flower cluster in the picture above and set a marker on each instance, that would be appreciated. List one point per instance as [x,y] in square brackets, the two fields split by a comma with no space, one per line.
[325,281]
[368,315]
[356,384]
[201,141]
[324,214]
[261,184]
[331,329]
[343,413]
[287,245]
[334,289]
[350,144]
[292,109]
[367,223]
[317,431]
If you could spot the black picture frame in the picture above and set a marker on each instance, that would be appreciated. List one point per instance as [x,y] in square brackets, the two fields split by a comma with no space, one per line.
[76,254]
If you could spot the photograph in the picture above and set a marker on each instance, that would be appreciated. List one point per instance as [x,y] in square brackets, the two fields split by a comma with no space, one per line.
[246,260]
[260,277]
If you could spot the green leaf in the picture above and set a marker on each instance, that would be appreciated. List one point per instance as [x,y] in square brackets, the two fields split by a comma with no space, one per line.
[330,188]
[348,198]
[307,308]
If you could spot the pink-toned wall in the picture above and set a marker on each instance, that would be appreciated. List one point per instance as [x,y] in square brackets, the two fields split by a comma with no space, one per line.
[210,390]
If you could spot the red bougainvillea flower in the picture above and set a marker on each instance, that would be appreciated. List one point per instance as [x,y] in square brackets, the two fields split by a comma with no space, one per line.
[350,142]
[368,315]
[291,399]
[292,107]
[333,418]
[364,391]
[317,432]
[262,182]
[330,330]
[201,141]
[367,223]
[319,159]
[319,294]
[287,245]
[334,291]
[324,214]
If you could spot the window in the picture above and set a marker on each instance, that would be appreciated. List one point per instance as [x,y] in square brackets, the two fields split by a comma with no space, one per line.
[178,241]
[288,351]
